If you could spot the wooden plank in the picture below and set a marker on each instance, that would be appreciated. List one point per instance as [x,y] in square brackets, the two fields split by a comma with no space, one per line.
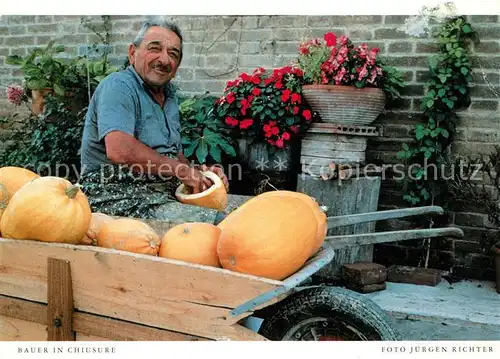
[351,155]
[318,160]
[90,338]
[23,309]
[143,289]
[60,301]
[333,144]
[113,329]
[14,329]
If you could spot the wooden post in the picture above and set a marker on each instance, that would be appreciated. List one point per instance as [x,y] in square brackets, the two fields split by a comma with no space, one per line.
[60,301]
[357,194]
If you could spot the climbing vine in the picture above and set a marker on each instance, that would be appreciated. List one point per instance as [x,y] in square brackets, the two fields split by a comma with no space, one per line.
[447,91]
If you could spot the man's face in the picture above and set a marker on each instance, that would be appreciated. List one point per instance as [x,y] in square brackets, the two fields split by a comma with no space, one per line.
[157,58]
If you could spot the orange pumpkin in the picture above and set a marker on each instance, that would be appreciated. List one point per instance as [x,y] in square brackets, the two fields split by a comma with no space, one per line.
[192,242]
[90,237]
[48,209]
[318,212]
[215,197]
[128,234]
[268,236]
[11,180]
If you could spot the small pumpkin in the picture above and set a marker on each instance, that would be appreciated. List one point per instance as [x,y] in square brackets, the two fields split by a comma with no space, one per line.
[11,180]
[318,212]
[215,197]
[90,237]
[268,236]
[48,209]
[194,242]
[128,234]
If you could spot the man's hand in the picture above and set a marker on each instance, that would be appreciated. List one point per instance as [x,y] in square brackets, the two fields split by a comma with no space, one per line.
[219,172]
[193,178]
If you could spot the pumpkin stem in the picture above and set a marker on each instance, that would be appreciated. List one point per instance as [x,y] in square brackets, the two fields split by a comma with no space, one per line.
[72,191]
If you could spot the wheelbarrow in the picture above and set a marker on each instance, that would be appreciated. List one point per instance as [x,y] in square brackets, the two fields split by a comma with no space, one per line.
[54,291]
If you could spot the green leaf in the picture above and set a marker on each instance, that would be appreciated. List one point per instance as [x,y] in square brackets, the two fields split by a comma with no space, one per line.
[191,148]
[202,151]
[420,132]
[441,92]
[58,90]
[462,90]
[445,133]
[430,103]
[466,29]
[215,152]
[427,154]
[464,70]
[226,147]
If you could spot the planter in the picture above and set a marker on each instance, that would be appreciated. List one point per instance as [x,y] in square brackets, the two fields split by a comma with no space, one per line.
[345,104]
[38,100]
[496,253]
[257,156]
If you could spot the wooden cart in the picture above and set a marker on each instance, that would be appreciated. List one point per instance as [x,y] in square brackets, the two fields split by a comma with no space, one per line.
[67,292]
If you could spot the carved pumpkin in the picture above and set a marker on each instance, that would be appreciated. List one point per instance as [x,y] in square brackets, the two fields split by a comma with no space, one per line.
[193,243]
[11,180]
[318,212]
[48,209]
[90,237]
[128,234]
[268,236]
[215,197]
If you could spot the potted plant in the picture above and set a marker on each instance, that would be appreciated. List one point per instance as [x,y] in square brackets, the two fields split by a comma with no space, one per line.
[266,113]
[346,83]
[46,74]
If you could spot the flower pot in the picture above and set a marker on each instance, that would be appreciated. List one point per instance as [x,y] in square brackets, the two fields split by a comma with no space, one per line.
[496,252]
[345,104]
[257,156]
[38,100]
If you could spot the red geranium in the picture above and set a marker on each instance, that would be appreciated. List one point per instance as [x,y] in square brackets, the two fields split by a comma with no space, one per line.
[266,105]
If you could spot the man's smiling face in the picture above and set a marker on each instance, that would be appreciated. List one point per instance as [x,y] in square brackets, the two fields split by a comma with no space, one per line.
[157,58]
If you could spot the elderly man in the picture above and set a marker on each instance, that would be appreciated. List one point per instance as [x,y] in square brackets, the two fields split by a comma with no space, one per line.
[131,153]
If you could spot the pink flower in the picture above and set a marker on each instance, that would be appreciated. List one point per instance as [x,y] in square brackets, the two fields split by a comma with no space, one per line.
[280,143]
[15,94]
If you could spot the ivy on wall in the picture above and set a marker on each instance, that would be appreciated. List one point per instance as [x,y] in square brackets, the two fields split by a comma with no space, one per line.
[447,91]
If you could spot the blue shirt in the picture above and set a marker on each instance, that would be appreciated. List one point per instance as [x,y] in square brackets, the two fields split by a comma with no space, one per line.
[123,102]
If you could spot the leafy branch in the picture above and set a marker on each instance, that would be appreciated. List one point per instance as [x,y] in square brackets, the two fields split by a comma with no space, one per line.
[447,92]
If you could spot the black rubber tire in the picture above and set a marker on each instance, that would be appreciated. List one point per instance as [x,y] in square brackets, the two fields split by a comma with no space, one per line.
[333,304]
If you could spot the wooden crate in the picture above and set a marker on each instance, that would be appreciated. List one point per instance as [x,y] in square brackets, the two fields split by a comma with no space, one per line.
[58,291]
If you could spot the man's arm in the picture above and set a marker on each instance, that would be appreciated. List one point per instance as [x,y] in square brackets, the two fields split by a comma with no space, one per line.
[122,148]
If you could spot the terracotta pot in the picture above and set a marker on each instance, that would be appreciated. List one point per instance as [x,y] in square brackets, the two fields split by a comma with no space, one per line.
[496,251]
[345,104]
[38,100]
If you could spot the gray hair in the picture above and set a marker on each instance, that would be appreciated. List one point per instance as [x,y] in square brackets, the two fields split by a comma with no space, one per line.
[157,22]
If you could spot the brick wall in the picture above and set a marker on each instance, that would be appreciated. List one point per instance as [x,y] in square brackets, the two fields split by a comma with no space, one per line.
[218,48]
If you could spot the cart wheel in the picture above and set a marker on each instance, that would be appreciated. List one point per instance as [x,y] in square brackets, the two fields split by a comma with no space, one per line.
[326,314]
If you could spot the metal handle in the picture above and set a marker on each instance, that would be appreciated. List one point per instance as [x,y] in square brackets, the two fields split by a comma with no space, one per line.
[339,221]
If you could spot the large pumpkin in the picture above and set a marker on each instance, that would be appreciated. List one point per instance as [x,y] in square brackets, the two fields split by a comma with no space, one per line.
[192,242]
[128,234]
[215,197]
[318,212]
[48,209]
[11,180]
[268,236]
[90,237]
